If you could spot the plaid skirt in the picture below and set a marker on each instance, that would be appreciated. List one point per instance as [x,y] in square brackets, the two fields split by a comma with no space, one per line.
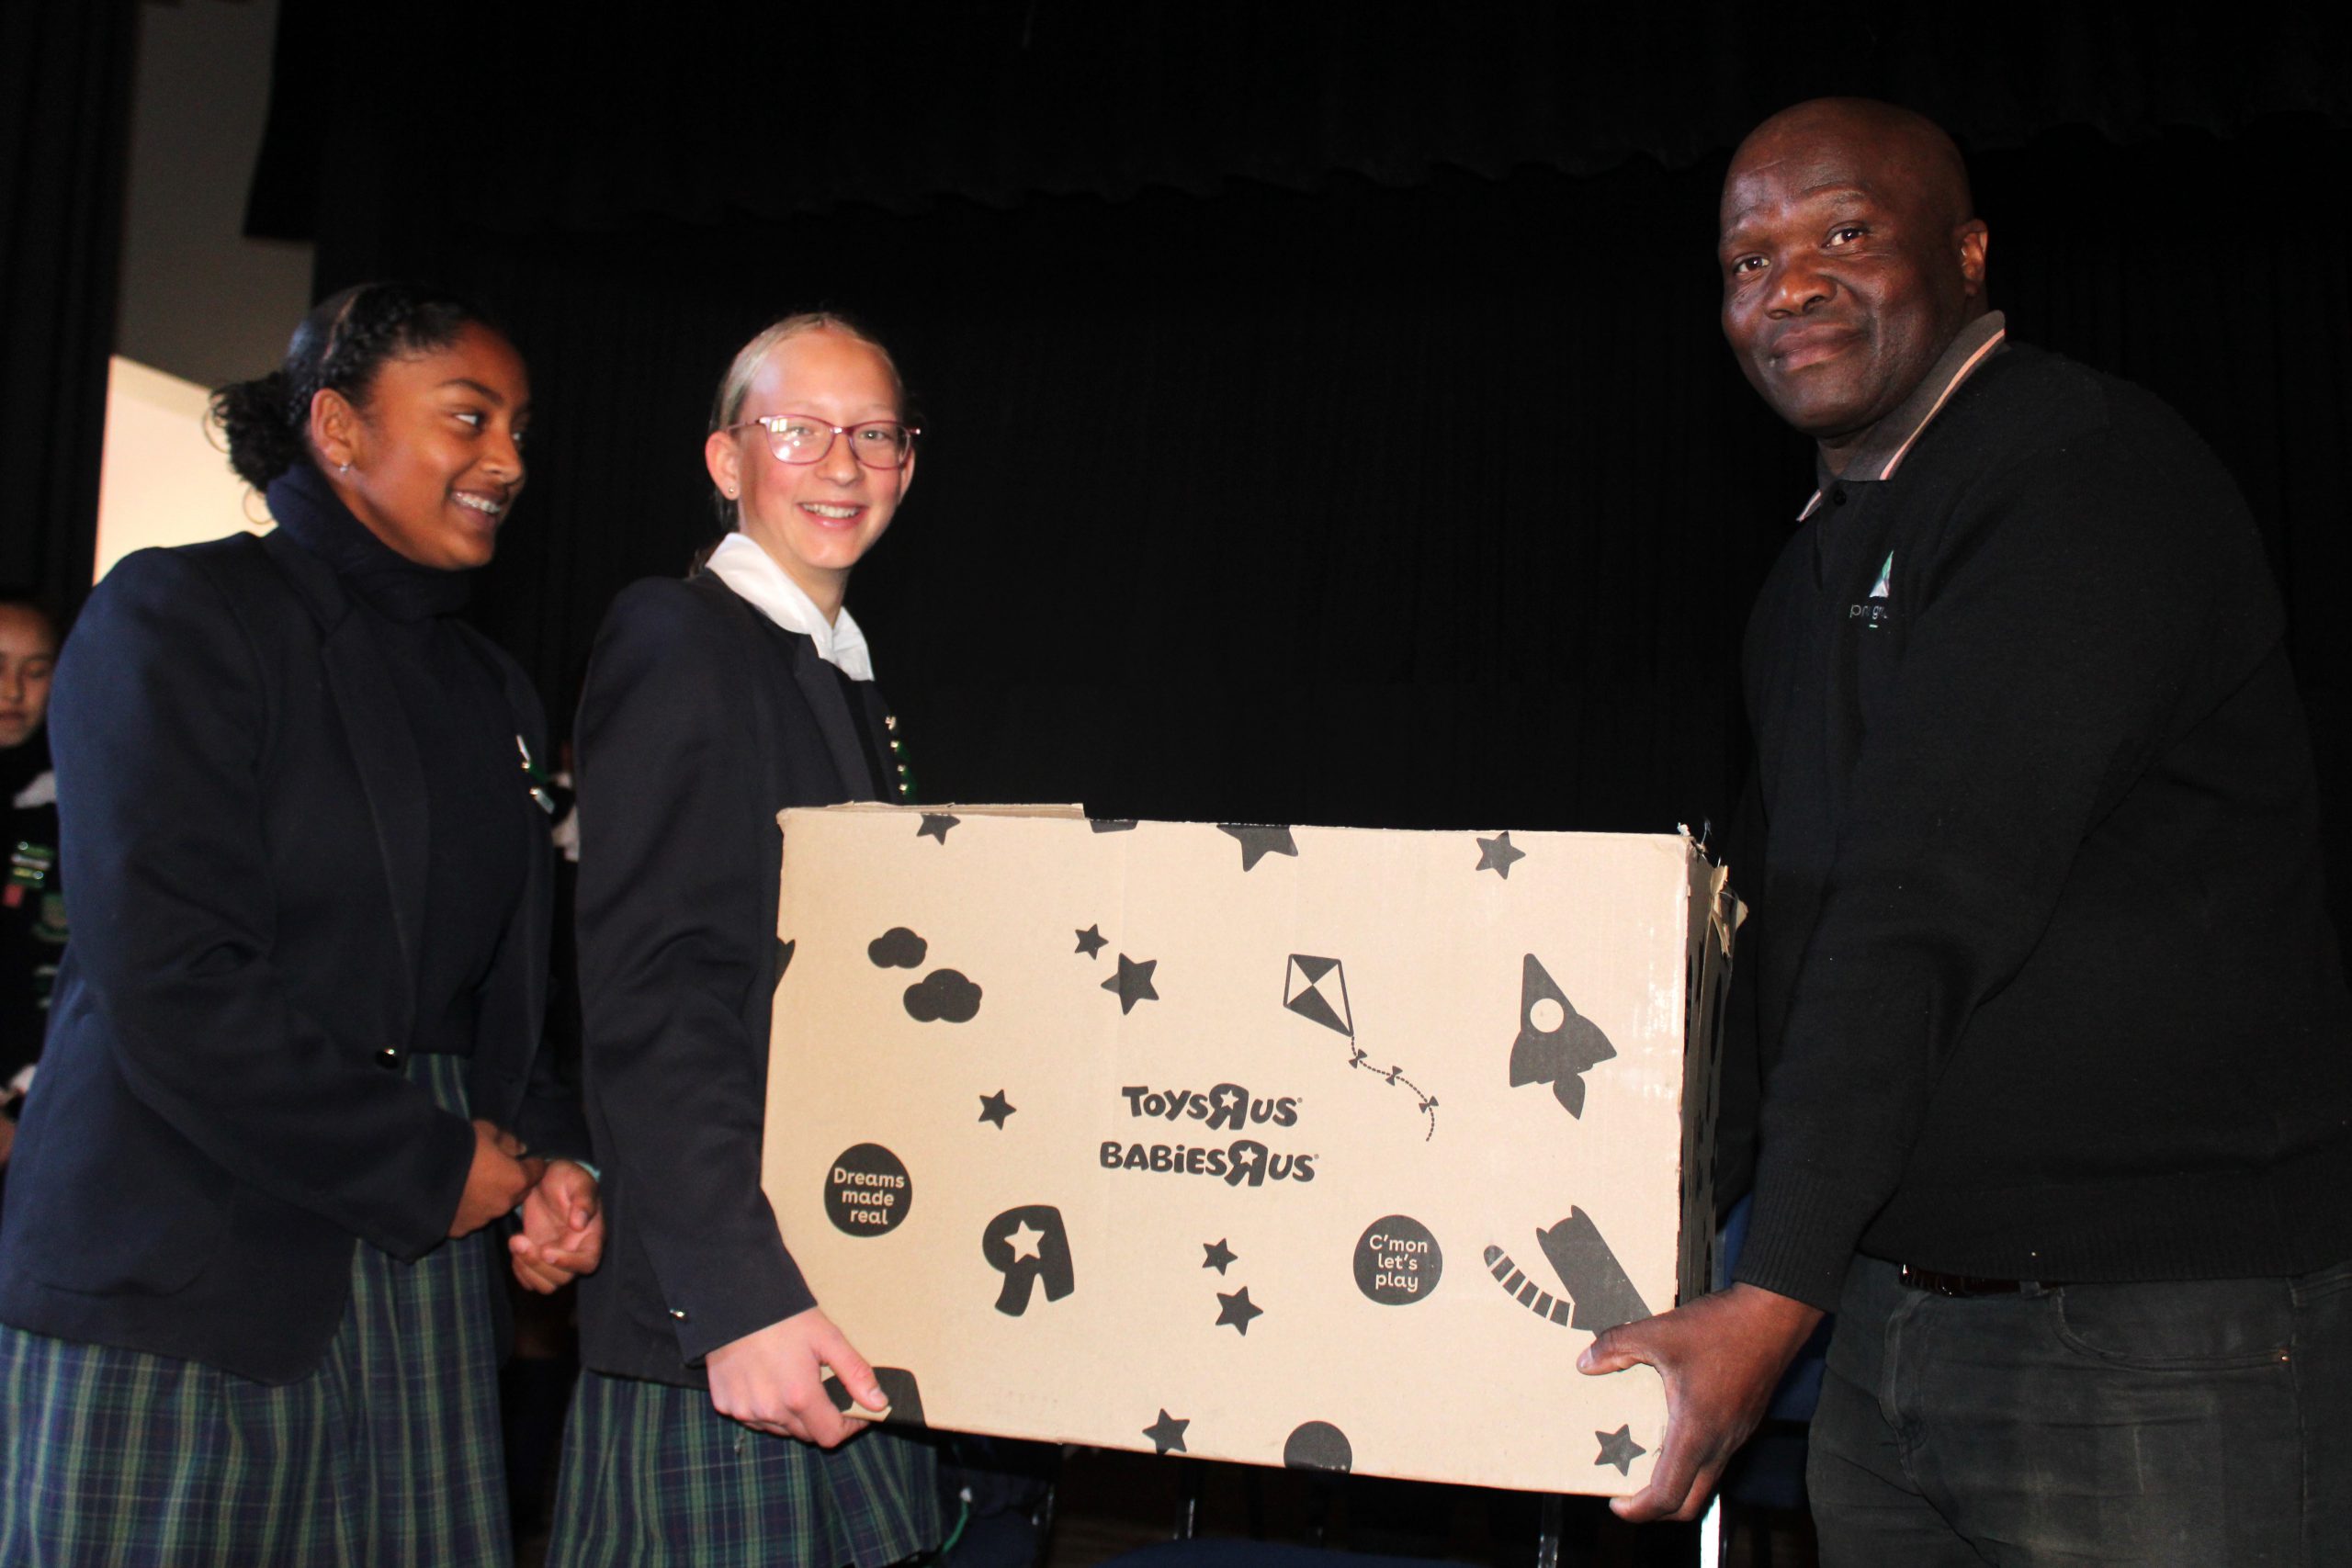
[388,1454]
[654,1476]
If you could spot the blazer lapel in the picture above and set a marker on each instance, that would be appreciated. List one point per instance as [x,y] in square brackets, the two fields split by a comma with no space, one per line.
[822,689]
[819,686]
[383,752]
[393,777]
[537,915]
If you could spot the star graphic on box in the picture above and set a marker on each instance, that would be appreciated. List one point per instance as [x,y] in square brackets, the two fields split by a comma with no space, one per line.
[1132,983]
[1089,942]
[1023,1239]
[1166,1434]
[1257,842]
[1617,1447]
[1238,1310]
[996,1108]
[1219,1254]
[934,826]
[1496,854]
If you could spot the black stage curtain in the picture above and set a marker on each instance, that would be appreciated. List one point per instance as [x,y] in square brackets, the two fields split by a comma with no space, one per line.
[540,119]
[1436,503]
[65,69]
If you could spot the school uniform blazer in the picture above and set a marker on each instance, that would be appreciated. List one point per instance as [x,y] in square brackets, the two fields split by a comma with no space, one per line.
[701,719]
[222,1111]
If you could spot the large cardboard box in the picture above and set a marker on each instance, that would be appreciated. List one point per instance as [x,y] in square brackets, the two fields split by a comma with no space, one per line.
[1291,1145]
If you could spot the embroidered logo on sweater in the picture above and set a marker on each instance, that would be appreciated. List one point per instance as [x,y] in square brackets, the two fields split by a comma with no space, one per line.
[1878,609]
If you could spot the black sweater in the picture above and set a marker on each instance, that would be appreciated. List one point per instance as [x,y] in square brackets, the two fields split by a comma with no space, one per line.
[2046,989]
[463,737]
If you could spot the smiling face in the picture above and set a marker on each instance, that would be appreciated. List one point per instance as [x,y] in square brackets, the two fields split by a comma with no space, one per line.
[434,448]
[1850,263]
[815,520]
[28,655]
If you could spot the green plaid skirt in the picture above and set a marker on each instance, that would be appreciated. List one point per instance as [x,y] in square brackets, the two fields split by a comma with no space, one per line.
[388,1454]
[653,1477]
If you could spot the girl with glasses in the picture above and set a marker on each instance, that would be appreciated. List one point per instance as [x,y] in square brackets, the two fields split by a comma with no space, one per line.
[701,1431]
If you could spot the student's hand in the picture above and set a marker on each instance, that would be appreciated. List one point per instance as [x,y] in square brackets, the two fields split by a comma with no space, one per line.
[502,1174]
[770,1380]
[563,1229]
[1721,1356]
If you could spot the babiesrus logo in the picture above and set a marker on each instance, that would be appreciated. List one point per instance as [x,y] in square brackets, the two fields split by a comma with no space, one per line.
[1228,1107]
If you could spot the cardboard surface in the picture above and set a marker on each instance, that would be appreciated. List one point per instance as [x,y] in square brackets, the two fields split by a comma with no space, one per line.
[1277,1145]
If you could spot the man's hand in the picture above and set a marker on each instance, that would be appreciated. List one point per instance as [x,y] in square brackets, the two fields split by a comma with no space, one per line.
[563,1229]
[1721,1357]
[501,1173]
[770,1380]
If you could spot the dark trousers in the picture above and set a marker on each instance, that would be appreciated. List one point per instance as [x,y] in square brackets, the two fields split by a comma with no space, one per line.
[2202,1422]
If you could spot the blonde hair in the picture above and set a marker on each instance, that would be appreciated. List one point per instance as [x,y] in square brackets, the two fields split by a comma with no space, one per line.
[736,385]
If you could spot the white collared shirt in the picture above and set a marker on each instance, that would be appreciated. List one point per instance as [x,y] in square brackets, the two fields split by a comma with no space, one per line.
[756,578]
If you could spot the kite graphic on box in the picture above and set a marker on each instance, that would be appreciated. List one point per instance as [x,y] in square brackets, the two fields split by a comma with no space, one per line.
[1317,988]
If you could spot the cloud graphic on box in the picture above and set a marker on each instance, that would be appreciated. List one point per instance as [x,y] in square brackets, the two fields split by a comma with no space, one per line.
[897,948]
[1029,1246]
[943,994]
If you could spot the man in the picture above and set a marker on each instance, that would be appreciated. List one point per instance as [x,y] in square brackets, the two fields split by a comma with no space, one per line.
[2057,1111]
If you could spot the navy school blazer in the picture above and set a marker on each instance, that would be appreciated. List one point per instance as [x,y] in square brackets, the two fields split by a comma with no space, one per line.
[221,1113]
[701,719]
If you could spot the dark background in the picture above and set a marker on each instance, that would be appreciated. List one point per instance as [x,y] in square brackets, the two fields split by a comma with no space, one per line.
[1327,419]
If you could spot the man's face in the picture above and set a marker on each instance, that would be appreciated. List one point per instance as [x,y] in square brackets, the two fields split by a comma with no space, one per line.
[1845,272]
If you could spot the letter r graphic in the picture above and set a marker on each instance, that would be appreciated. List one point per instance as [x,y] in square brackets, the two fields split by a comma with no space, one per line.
[1027,1245]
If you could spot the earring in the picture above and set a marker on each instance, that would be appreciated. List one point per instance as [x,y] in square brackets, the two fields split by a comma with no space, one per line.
[344,466]
[731,492]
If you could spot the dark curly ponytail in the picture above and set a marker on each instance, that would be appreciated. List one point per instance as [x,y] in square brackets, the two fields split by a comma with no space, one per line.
[342,343]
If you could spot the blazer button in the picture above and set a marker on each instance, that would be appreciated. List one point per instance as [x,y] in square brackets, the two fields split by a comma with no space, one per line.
[388,1059]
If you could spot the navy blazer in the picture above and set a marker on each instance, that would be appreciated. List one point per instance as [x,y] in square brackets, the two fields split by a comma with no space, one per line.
[701,719]
[221,1111]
